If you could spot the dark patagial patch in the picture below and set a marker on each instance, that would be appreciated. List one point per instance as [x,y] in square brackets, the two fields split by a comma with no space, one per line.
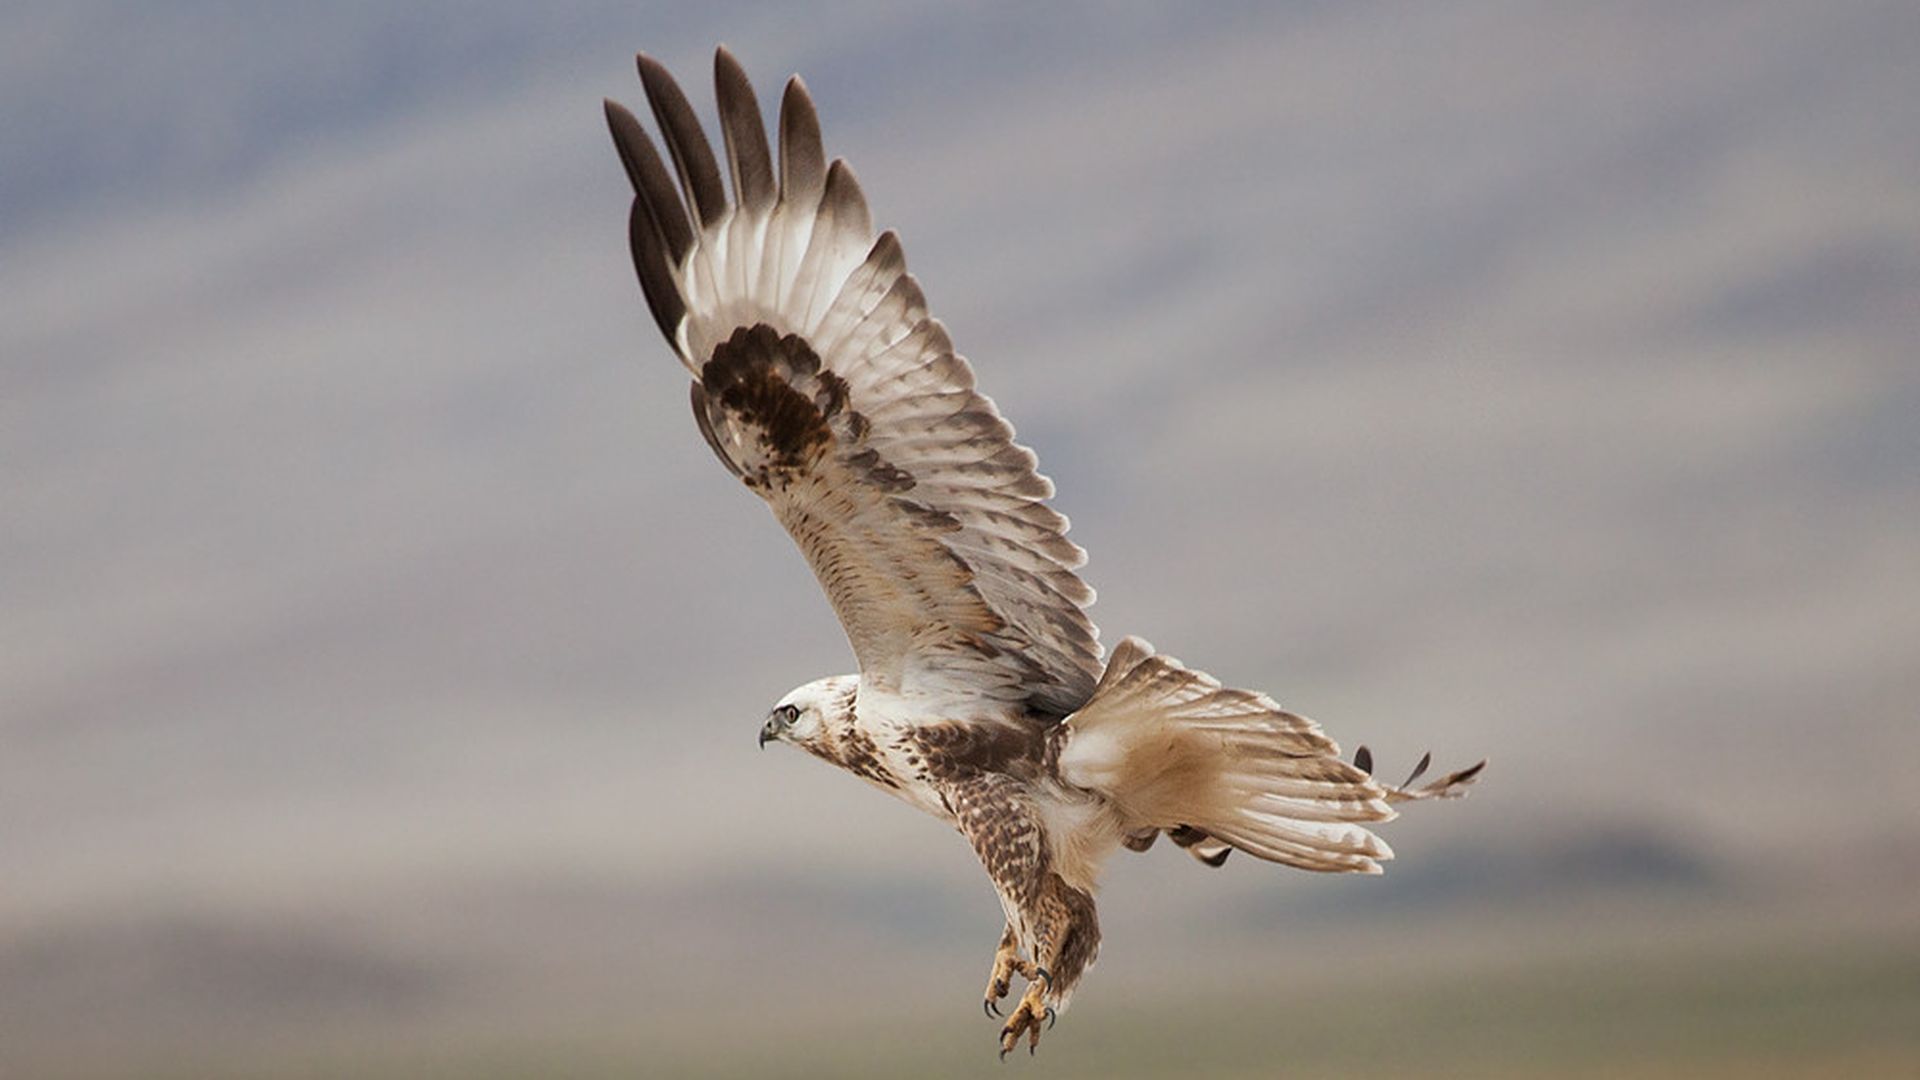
[832,386]
[774,383]
[956,749]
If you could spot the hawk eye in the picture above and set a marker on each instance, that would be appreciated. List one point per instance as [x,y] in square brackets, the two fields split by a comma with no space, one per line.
[787,714]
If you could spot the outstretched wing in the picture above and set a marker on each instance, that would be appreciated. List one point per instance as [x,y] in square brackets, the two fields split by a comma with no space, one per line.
[823,384]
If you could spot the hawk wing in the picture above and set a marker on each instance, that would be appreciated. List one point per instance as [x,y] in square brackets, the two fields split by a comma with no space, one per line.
[821,382]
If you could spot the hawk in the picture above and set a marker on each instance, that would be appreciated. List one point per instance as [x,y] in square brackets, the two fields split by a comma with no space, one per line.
[822,384]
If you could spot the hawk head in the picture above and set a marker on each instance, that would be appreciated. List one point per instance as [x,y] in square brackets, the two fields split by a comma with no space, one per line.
[810,716]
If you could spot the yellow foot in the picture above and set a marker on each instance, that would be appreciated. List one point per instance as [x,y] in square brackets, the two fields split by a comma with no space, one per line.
[1006,962]
[1031,1015]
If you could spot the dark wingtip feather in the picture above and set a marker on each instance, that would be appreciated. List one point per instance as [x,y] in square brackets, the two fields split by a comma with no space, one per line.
[1419,770]
[650,263]
[803,157]
[749,161]
[1363,760]
[686,143]
[844,200]
[657,228]
[886,252]
[1217,859]
[648,175]
[628,137]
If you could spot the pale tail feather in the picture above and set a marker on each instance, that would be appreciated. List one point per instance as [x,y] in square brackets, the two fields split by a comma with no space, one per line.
[1216,767]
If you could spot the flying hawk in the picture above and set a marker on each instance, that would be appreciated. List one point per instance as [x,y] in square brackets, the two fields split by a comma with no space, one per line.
[823,385]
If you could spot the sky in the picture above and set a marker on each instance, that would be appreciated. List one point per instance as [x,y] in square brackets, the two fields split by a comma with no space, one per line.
[1507,381]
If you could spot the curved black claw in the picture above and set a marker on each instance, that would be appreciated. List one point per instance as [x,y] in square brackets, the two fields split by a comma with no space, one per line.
[990,1009]
[1051,1016]
[1041,973]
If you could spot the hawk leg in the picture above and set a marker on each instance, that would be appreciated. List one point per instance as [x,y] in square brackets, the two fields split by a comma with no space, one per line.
[1065,935]
[1052,920]
[1006,963]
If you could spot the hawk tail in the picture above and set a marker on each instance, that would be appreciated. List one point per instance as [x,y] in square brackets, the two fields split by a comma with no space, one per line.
[1218,768]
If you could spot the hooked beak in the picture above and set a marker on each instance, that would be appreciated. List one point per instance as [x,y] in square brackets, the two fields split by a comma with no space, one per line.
[769,731]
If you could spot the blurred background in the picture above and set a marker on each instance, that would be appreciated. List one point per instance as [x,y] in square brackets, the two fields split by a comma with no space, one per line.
[381,651]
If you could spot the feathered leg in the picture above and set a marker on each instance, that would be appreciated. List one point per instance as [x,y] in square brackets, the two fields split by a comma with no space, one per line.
[1065,935]
[1052,920]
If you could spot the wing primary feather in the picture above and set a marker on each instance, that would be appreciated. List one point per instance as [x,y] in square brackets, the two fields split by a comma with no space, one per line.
[848,204]
[748,157]
[651,184]
[627,135]
[842,222]
[657,228]
[686,143]
[803,158]
[650,263]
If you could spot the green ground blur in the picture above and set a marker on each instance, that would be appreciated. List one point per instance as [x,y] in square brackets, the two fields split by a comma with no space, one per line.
[1851,1012]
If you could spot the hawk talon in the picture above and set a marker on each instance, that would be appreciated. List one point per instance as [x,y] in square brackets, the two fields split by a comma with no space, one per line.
[1006,964]
[1031,1017]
